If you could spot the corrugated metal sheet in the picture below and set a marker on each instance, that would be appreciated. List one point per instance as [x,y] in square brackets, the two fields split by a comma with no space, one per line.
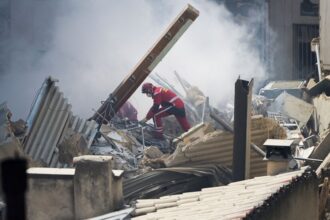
[49,120]
[217,147]
[233,201]
[174,180]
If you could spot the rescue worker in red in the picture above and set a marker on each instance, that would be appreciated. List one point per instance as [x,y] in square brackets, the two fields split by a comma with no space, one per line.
[128,111]
[170,104]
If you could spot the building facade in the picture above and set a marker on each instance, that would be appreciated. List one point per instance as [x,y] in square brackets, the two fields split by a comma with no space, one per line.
[294,23]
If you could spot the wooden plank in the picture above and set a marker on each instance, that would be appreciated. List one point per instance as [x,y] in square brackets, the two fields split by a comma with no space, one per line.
[128,86]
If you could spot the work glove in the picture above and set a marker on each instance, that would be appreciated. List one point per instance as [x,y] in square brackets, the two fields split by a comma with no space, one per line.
[143,121]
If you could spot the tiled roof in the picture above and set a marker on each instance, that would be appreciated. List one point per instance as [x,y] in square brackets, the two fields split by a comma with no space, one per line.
[234,201]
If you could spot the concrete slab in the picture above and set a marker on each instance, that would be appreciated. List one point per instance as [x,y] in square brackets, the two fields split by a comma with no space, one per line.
[293,107]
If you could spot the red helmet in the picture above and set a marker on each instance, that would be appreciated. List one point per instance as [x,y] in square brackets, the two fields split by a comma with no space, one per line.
[147,88]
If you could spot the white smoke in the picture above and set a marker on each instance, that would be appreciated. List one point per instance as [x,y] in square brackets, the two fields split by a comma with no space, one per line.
[95,44]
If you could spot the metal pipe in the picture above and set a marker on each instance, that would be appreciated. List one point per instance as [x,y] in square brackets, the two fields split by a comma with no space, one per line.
[165,83]
[142,133]
[308,159]
[222,122]
[101,116]
[258,150]
[318,61]
[180,81]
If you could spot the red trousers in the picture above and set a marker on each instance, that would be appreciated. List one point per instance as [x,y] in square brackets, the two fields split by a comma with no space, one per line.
[166,111]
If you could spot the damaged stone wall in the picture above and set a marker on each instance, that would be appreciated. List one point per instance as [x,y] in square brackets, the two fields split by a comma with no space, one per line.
[91,189]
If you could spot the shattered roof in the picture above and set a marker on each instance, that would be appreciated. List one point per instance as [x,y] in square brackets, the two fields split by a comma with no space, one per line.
[234,201]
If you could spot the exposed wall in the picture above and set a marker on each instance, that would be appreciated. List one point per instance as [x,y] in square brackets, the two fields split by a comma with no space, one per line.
[50,195]
[283,14]
[325,34]
[322,106]
[80,193]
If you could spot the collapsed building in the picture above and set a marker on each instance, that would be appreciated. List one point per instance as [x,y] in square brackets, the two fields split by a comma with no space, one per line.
[252,161]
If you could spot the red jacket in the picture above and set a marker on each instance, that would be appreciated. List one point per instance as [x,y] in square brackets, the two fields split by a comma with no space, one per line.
[165,98]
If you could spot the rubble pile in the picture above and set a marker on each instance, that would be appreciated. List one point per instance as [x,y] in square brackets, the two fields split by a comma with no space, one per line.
[187,158]
[183,161]
[210,141]
[284,127]
[125,149]
[281,115]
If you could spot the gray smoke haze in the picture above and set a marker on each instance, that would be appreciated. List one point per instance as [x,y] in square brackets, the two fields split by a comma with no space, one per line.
[91,45]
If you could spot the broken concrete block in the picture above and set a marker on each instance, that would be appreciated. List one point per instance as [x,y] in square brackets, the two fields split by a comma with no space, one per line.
[94,186]
[118,138]
[117,189]
[152,152]
[293,107]
[322,106]
[152,158]
[275,88]
[18,127]
[323,149]
[322,86]
[73,146]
